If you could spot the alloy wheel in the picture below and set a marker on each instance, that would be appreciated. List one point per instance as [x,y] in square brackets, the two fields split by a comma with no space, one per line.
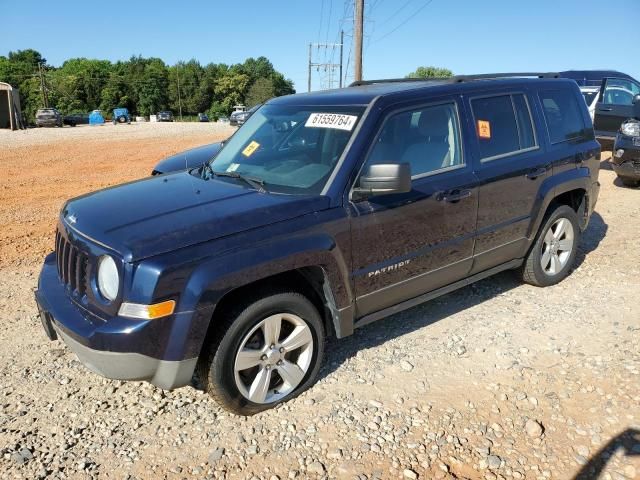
[557,246]
[273,358]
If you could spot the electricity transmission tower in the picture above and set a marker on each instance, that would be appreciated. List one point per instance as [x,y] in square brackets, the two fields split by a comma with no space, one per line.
[328,67]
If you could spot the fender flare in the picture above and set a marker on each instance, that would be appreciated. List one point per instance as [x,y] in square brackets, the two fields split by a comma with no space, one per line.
[211,280]
[551,188]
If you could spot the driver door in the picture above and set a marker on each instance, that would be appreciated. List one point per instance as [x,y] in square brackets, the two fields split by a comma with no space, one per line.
[406,244]
[615,105]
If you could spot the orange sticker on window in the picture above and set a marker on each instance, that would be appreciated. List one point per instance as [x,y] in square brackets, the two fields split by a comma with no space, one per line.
[484,129]
[249,149]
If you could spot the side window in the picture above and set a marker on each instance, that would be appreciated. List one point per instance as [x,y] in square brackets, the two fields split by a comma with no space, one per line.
[503,125]
[563,115]
[427,138]
[619,91]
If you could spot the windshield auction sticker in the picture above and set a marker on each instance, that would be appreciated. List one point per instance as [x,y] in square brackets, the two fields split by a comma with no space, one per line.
[331,120]
[249,149]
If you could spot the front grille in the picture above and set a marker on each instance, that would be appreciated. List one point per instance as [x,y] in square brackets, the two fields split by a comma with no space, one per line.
[72,265]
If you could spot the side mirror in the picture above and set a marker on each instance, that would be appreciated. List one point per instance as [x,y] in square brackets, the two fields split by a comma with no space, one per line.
[384,179]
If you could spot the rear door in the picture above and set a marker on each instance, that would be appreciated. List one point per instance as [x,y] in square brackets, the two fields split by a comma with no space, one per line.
[615,105]
[511,164]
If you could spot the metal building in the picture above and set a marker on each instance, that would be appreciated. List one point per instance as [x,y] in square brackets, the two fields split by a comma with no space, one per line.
[10,113]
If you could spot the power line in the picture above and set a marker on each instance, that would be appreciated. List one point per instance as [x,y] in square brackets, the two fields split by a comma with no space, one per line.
[404,22]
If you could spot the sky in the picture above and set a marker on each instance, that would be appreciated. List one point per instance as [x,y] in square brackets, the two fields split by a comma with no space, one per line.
[466,36]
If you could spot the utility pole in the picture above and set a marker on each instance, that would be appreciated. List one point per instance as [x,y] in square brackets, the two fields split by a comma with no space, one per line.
[179,98]
[45,97]
[357,38]
[341,49]
[327,66]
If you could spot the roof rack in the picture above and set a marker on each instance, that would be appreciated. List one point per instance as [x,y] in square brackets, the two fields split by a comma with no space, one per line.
[458,78]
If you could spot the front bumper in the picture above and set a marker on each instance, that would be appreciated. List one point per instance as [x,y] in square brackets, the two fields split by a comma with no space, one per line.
[627,165]
[97,344]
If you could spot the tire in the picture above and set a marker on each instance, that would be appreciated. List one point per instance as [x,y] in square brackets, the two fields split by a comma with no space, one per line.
[629,182]
[556,245]
[238,389]
[122,119]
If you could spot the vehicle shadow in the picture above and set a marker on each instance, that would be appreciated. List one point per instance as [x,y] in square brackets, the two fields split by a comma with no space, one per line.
[591,238]
[618,183]
[377,333]
[628,441]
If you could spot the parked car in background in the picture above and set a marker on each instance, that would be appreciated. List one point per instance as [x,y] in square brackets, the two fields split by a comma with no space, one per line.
[238,118]
[49,117]
[188,159]
[615,99]
[121,115]
[165,116]
[626,153]
[326,212]
[74,119]
[617,102]
[203,117]
[590,95]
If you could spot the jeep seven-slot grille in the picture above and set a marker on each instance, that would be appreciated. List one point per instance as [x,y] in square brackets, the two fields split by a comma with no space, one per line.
[72,265]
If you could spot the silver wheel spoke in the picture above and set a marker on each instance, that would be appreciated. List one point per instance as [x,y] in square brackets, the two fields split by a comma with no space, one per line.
[548,237]
[300,337]
[290,373]
[247,358]
[555,264]
[561,228]
[260,386]
[546,257]
[565,245]
[271,329]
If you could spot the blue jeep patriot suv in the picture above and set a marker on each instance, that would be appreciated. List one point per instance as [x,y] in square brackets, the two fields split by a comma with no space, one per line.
[322,213]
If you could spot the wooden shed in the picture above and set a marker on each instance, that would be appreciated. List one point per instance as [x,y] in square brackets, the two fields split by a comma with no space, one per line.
[10,113]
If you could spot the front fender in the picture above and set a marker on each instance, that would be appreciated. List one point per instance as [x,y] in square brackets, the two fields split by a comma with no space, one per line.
[579,178]
[215,277]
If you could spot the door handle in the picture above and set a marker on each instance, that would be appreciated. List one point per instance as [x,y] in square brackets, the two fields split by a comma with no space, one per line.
[605,109]
[455,195]
[538,172]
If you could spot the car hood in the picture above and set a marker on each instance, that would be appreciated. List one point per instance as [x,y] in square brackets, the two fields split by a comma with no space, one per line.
[164,213]
[188,159]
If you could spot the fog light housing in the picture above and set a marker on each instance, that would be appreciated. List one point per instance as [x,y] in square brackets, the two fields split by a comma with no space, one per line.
[619,153]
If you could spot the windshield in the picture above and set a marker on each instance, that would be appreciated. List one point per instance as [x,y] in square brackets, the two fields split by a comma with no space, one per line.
[292,149]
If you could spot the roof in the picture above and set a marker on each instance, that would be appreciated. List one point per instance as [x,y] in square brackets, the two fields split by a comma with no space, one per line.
[362,95]
[5,86]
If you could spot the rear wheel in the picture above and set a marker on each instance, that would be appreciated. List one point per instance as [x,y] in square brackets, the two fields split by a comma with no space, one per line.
[554,250]
[269,352]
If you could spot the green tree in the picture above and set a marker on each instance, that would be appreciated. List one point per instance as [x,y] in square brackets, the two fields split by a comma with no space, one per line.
[231,89]
[259,92]
[430,72]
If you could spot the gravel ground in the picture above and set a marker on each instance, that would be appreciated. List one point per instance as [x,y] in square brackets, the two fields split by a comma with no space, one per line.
[498,380]
[108,132]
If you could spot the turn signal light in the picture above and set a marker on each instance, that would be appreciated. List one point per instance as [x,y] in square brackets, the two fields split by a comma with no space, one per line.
[147,312]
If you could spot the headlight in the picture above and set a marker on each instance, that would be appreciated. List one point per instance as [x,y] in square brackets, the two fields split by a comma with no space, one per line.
[631,129]
[108,279]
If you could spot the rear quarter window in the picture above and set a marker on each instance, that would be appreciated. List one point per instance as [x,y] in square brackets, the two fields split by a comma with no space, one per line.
[563,115]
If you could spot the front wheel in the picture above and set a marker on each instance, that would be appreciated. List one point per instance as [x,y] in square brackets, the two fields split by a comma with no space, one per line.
[554,250]
[270,352]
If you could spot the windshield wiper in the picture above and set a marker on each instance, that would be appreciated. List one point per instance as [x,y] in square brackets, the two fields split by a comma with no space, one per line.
[256,183]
